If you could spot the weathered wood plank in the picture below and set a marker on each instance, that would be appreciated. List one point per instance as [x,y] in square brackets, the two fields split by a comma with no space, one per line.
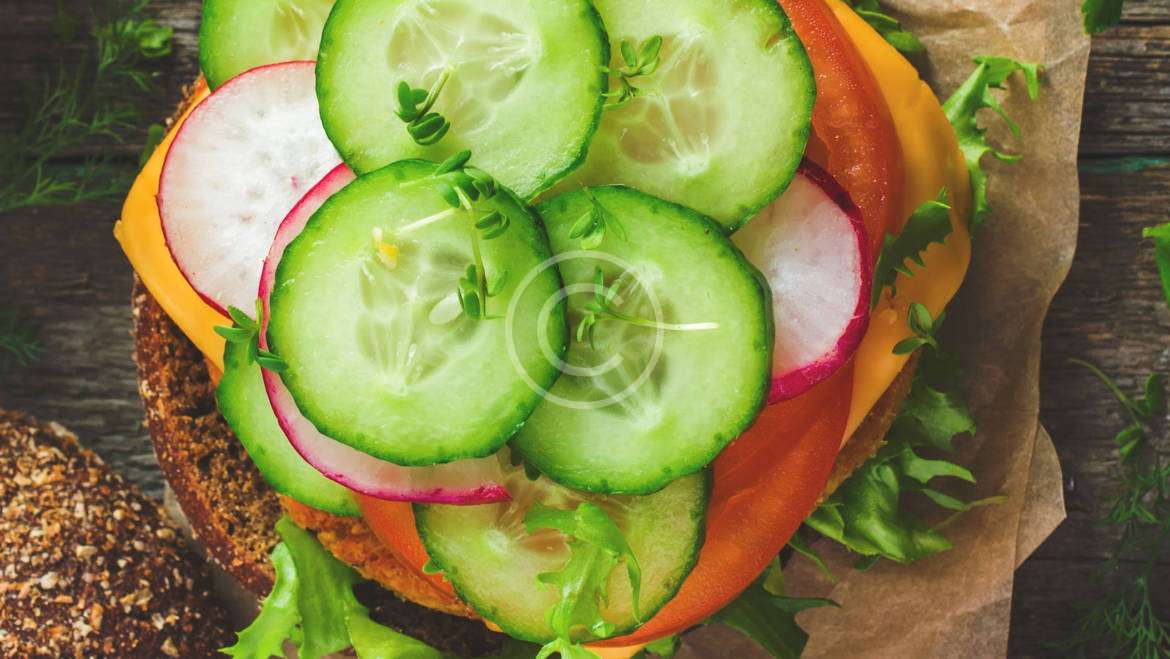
[1127,103]
[64,267]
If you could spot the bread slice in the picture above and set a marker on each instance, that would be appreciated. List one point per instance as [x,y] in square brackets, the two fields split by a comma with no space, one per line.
[89,566]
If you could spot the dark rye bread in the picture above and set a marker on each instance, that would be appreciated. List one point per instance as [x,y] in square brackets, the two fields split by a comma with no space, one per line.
[88,565]
[230,508]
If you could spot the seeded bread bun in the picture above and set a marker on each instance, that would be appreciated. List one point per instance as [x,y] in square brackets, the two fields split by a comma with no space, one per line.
[88,565]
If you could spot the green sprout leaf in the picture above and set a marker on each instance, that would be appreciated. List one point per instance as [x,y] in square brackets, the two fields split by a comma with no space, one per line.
[425,127]
[930,223]
[961,108]
[924,328]
[639,61]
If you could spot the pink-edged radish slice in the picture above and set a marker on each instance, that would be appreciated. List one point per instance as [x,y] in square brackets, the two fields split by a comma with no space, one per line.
[241,160]
[812,247]
[463,482]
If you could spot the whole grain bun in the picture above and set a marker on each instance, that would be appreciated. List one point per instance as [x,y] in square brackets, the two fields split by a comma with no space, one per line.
[88,565]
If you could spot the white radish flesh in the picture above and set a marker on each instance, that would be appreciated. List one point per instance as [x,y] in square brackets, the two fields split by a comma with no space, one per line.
[241,160]
[811,245]
[463,482]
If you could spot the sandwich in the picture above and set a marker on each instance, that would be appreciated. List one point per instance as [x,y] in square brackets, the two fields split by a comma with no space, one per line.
[548,322]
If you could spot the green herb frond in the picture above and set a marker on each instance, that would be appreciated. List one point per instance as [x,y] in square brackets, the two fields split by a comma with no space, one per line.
[20,343]
[86,106]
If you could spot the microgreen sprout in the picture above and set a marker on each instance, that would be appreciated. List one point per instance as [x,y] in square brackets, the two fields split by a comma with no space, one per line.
[415,107]
[460,185]
[592,227]
[924,328]
[602,308]
[246,332]
[639,62]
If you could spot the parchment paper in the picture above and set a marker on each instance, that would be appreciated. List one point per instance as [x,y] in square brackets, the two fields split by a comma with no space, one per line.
[958,604]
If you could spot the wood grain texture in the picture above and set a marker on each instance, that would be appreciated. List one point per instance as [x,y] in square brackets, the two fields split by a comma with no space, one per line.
[63,265]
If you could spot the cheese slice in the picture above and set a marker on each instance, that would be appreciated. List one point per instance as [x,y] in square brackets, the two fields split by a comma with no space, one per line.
[140,233]
[933,162]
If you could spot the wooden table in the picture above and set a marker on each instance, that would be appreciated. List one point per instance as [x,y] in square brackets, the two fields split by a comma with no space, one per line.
[63,267]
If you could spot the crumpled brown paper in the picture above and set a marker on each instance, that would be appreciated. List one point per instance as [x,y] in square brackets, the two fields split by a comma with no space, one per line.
[958,604]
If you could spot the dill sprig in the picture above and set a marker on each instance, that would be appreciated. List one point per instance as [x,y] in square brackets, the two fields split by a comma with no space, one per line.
[92,104]
[1124,618]
[20,343]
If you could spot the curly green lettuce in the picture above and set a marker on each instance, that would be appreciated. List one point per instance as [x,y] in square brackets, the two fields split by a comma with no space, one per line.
[930,223]
[768,617]
[312,605]
[962,108]
[869,514]
[596,547]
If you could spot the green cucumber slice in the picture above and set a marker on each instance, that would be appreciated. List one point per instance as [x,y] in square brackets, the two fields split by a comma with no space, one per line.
[524,92]
[380,355]
[722,124]
[493,562]
[638,406]
[244,403]
[238,35]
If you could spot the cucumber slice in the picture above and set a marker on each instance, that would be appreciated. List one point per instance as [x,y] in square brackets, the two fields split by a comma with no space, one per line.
[638,407]
[524,90]
[493,562]
[244,403]
[722,124]
[238,35]
[380,355]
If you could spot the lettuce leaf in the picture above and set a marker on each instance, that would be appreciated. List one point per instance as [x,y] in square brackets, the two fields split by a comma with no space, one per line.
[962,107]
[930,223]
[768,617]
[887,26]
[868,513]
[1100,15]
[596,547]
[279,615]
[312,604]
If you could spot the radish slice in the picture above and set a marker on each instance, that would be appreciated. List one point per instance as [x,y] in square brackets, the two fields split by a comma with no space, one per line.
[812,247]
[238,164]
[463,482]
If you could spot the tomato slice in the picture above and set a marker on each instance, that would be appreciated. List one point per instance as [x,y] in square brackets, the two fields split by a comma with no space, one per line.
[393,524]
[855,138]
[766,484]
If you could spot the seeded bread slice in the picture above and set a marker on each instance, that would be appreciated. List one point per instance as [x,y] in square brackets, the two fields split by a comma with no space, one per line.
[88,565]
